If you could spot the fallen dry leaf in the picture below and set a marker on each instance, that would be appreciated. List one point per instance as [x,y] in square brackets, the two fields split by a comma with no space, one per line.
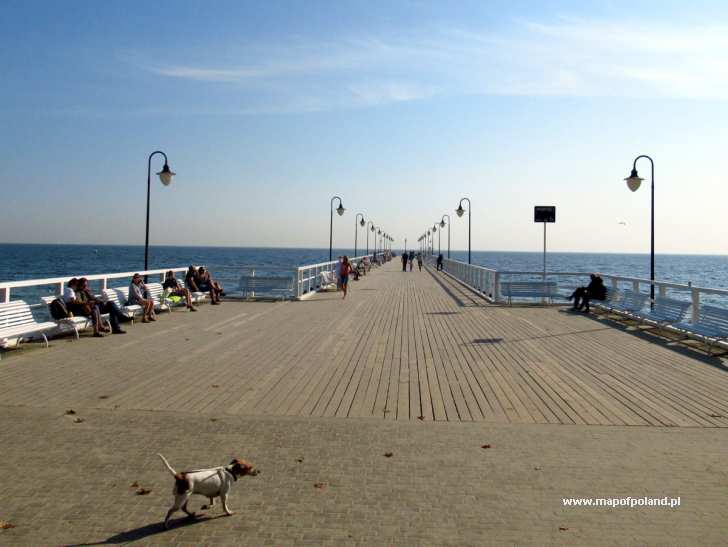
[103,396]
[215,385]
[135,484]
[319,485]
[420,417]
[562,528]
[69,412]
[213,419]
[716,415]
[485,446]
[6,525]
[537,468]
[299,460]
[78,421]
[388,454]
[143,492]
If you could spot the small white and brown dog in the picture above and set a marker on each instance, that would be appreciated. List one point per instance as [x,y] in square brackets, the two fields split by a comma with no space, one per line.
[211,483]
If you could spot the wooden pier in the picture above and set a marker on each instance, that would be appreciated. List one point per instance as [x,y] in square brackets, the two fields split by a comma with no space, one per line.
[341,382]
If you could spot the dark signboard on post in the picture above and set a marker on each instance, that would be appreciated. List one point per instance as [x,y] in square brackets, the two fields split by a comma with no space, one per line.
[544,213]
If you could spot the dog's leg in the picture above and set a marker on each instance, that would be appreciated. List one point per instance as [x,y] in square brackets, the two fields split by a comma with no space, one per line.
[223,498]
[180,502]
[169,514]
[184,508]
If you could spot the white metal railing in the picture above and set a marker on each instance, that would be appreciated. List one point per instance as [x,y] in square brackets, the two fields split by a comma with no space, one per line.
[308,278]
[487,282]
[59,282]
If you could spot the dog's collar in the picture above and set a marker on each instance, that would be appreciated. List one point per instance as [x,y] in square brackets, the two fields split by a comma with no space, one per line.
[235,478]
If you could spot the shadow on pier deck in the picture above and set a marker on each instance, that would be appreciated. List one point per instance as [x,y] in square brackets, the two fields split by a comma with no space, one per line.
[401,360]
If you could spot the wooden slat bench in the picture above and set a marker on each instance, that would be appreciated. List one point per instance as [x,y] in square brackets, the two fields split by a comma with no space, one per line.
[17,324]
[528,289]
[711,326]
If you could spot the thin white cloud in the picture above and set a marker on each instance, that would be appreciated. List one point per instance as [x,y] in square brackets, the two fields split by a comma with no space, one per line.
[568,57]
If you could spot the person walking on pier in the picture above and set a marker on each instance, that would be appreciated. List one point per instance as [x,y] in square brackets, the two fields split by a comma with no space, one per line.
[405,259]
[344,276]
[411,259]
[419,261]
[440,258]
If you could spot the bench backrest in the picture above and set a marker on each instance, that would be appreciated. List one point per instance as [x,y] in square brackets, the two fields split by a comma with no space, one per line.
[634,301]
[15,313]
[670,309]
[714,317]
[155,291]
[118,295]
[528,288]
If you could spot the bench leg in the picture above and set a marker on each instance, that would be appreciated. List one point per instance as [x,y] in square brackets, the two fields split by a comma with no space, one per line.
[45,338]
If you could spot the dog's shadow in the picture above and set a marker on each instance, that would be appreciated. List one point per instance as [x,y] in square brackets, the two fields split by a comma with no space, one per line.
[148,531]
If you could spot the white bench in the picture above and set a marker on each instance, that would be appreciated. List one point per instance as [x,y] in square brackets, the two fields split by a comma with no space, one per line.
[666,311]
[711,326]
[119,296]
[628,303]
[77,323]
[198,297]
[528,289]
[155,291]
[260,283]
[17,324]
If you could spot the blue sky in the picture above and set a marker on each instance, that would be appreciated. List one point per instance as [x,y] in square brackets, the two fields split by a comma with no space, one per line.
[268,109]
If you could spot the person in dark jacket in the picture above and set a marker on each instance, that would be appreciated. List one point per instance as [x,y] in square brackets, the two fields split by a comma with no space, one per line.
[594,291]
[405,259]
[440,258]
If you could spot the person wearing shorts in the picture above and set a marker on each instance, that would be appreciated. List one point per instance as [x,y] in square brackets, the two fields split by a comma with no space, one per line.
[345,271]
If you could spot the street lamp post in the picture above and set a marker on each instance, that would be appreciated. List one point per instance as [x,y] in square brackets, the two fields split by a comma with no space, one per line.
[369,222]
[460,212]
[356,229]
[340,209]
[633,183]
[165,176]
[439,233]
[442,225]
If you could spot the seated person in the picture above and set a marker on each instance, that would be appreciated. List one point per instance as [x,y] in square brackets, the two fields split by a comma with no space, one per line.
[84,294]
[191,279]
[206,284]
[79,308]
[138,296]
[594,291]
[173,288]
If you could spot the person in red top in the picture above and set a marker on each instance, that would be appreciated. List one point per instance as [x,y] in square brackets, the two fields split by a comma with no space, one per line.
[345,271]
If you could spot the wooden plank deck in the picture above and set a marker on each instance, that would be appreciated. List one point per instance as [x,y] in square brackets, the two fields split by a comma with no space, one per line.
[404,346]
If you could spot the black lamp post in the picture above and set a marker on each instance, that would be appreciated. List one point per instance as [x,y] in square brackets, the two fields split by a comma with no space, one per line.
[340,209]
[356,229]
[434,229]
[442,225]
[165,175]
[367,231]
[460,212]
[633,183]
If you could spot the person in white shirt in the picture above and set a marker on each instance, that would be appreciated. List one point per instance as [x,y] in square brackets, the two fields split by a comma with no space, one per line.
[78,308]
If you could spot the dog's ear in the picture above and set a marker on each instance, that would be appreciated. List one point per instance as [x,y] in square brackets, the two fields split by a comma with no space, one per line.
[241,467]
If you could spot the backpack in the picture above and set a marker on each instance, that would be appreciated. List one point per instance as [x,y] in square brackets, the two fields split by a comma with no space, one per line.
[58,309]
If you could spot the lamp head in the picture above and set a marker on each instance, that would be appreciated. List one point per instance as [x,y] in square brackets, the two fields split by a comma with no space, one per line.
[372,228]
[442,223]
[362,223]
[165,175]
[634,180]
[340,209]
[379,232]
[434,228]
[460,211]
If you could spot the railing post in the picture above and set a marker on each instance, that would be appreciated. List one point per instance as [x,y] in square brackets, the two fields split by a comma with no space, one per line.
[496,286]
[636,286]
[662,291]
[696,304]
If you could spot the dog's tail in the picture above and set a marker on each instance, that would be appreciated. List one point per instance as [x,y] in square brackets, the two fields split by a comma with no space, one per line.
[166,463]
